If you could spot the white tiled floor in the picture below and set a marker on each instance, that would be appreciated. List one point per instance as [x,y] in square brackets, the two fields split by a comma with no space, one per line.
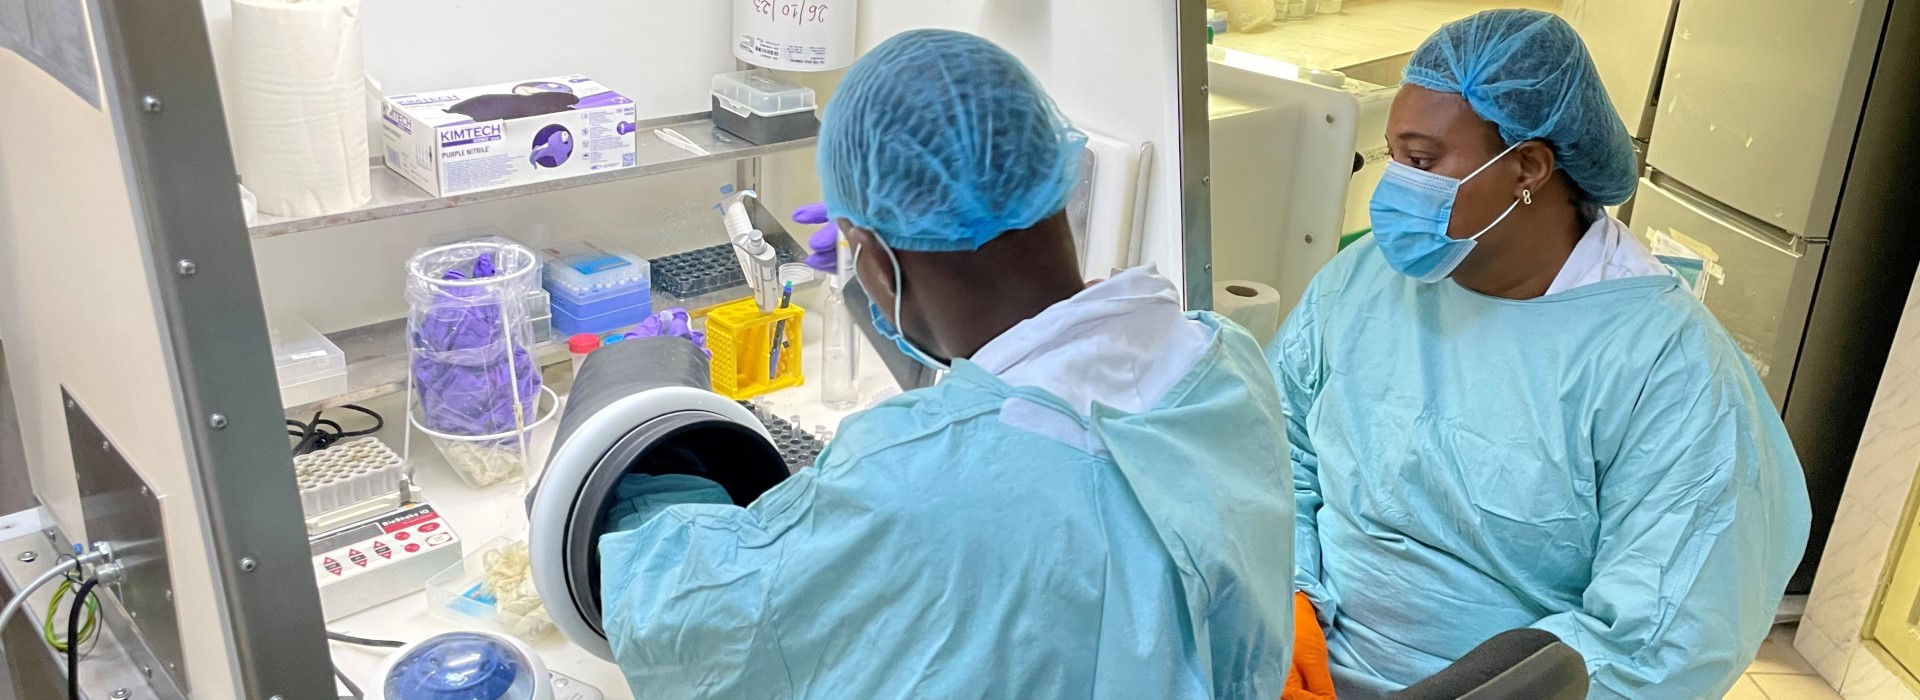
[1778,673]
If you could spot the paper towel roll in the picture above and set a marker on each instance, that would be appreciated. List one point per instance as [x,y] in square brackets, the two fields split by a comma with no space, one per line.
[1253,305]
[299,105]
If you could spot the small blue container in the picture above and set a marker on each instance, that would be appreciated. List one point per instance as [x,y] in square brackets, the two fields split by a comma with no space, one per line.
[565,323]
[630,297]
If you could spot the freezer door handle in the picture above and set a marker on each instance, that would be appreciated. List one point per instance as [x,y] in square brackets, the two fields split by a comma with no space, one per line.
[1760,231]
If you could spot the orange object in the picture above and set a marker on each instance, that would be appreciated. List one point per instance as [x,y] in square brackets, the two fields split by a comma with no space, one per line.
[1311,677]
[741,339]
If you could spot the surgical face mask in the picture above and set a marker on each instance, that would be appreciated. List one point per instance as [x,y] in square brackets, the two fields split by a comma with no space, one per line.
[880,324]
[1411,208]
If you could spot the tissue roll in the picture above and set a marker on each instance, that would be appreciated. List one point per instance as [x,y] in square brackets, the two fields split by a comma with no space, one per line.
[299,105]
[1253,305]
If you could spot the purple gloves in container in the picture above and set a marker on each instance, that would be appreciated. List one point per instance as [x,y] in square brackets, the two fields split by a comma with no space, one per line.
[821,244]
[459,367]
[472,364]
[672,322]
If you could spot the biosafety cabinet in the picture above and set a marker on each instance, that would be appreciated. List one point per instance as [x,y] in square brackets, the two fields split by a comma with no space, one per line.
[159,335]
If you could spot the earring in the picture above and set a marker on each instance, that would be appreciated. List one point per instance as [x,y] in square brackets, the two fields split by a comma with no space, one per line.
[1526,196]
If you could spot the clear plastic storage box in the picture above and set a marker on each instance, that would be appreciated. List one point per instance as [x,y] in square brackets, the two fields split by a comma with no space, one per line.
[540,306]
[761,108]
[310,367]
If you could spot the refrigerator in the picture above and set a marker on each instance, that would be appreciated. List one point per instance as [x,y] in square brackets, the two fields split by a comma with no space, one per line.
[1771,132]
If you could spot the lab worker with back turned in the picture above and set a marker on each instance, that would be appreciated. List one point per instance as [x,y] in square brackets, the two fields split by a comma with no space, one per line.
[1505,413]
[1093,503]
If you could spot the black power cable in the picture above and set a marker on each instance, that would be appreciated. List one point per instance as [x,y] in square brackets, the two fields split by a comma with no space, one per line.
[315,436]
[352,690]
[364,642]
[73,637]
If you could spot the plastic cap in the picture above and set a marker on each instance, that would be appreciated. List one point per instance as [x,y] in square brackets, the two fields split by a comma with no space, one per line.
[582,343]
[615,338]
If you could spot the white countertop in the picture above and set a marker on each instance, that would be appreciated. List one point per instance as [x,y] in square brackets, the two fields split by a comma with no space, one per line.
[479,515]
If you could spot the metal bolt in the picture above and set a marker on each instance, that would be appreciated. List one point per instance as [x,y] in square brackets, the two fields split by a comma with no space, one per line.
[248,564]
[1329,119]
[1206,180]
[185,267]
[70,404]
[171,666]
[218,421]
[1208,267]
[169,595]
[1309,238]
[27,557]
[121,693]
[106,446]
[1203,89]
[146,670]
[150,103]
[135,614]
[144,491]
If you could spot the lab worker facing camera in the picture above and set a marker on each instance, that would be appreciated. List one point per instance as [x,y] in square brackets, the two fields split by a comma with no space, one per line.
[1505,413]
[1092,503]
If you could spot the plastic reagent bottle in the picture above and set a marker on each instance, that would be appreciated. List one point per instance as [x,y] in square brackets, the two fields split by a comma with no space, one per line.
[839,351]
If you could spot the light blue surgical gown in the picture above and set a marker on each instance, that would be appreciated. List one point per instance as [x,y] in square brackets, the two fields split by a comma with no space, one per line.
[975,539]
[1601,463]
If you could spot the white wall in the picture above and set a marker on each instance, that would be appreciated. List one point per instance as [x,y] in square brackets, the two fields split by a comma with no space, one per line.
[77,310]
[1865,527]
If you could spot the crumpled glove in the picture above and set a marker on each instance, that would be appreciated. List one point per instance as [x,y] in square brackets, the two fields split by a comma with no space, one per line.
[824,242]
[1311,677]
[672,322]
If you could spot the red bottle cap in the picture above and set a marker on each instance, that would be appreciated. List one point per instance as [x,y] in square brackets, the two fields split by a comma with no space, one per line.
[582,343]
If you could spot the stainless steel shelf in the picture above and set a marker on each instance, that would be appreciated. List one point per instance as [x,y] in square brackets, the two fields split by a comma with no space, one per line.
[394,195]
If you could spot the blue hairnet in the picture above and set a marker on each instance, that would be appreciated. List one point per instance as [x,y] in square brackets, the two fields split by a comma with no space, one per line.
[1528,72]
[940,141]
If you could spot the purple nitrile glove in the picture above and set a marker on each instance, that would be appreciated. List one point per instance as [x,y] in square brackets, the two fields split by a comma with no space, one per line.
[673,322]
[823,242]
